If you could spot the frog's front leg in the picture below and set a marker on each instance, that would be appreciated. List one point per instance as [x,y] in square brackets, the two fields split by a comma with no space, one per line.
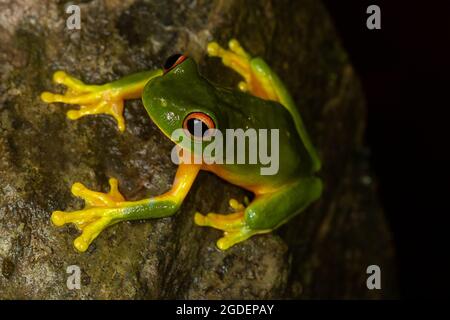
[105,209]
[264,214]
[99,99]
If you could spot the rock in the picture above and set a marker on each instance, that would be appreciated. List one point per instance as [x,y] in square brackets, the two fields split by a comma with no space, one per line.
[322,253]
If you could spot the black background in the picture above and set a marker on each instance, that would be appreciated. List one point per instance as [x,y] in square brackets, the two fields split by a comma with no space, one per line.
[405,70]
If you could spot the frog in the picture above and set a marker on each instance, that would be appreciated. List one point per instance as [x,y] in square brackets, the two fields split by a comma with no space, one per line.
[176,96]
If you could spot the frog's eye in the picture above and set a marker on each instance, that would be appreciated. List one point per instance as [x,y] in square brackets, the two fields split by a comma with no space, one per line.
[173,61]
[197,123]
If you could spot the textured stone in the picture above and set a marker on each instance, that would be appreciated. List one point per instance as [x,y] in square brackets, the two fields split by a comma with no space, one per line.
[322,253]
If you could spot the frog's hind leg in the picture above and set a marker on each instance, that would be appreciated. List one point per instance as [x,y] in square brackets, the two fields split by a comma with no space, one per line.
[223,221]
[257,82]
[233,225]
[264,214]
[262,82]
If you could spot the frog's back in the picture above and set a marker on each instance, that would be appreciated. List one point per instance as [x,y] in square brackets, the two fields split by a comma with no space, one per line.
[242,111]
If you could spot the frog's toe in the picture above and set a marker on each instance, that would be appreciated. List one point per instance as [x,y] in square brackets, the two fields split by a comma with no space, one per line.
[236,47]
[223,222]
[58,218]
[73,84]
[80,217]
[112,107]
[235,51]
[200,220]
[233,237]
[70,98]
[90,232]
[243,86]
[236,205]
[214,49]
[77,91]
[239,62]
[99,199]
[90,221]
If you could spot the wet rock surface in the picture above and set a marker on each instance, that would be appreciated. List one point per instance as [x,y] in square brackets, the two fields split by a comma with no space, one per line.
[322,253]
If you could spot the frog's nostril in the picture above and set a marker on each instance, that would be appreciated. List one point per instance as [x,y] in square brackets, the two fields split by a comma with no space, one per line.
[173,61]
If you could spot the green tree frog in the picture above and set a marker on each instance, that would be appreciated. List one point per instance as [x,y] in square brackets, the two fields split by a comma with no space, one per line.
[175,95]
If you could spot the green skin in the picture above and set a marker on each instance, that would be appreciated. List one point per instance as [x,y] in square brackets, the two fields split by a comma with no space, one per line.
[184,91]
[168,99]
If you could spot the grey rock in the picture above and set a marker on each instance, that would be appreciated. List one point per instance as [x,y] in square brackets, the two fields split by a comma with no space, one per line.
[322,253]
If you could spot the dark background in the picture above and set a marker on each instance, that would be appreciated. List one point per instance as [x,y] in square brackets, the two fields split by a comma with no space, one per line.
[405,70]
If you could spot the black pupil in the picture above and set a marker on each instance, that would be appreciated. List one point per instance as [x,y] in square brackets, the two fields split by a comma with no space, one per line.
[171,61]
[196,127]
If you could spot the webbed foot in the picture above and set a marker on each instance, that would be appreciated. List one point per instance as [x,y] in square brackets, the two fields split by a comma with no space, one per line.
[101,210]
[93,99]
[234,226]
[253,70]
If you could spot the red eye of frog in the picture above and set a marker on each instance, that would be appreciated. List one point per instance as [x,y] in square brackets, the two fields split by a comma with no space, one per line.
[198,119]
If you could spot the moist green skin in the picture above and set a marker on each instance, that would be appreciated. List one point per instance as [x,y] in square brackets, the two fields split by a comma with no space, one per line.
[185,91]
[170,98]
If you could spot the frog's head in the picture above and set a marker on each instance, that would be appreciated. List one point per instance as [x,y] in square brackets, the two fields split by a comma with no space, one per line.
[182,99]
